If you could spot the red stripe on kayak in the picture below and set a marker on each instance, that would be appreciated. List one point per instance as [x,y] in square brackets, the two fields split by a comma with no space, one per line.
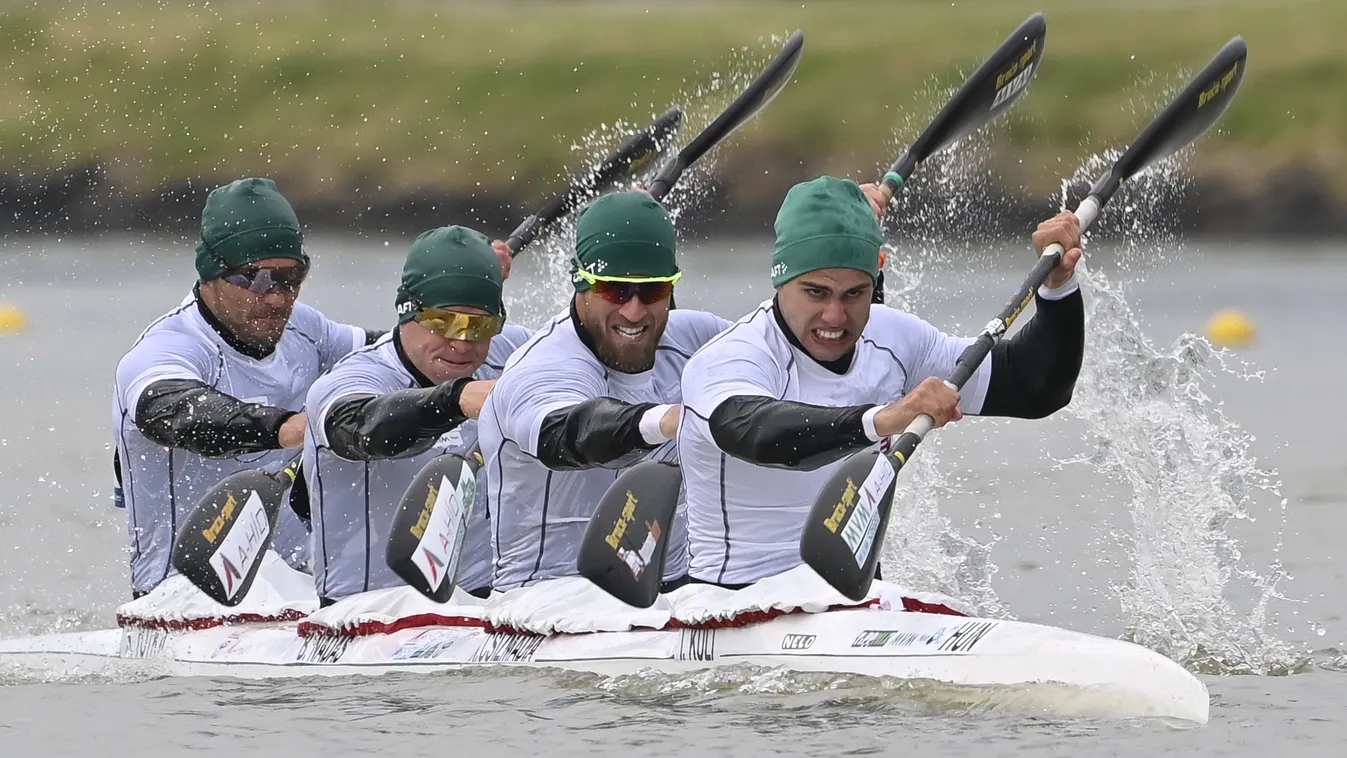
[918,606]
[196,625]
[367,628]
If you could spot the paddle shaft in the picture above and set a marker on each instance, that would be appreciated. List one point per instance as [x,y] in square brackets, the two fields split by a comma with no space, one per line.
[636,151]
[999,82]
[972,357]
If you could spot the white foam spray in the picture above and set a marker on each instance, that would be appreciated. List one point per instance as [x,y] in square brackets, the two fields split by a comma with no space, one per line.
[704,97]
[1152,426]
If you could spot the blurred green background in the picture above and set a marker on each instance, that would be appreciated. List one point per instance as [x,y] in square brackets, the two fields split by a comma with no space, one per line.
[350,103]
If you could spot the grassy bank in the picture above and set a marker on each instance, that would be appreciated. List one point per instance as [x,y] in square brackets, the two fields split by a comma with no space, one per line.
[343,98]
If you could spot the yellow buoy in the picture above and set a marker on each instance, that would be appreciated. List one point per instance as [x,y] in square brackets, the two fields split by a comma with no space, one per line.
[1229,328]
[12,320]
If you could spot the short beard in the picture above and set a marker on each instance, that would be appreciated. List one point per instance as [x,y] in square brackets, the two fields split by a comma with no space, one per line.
[609,357]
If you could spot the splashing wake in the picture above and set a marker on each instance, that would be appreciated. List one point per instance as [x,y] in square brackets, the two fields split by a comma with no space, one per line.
[1152,425]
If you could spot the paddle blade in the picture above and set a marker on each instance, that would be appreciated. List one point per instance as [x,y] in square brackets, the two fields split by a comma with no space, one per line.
[425,540]
[1001,80]
[1191,113]
[846,525]
[629,159]
[220,545]
[750,103]
[625,546]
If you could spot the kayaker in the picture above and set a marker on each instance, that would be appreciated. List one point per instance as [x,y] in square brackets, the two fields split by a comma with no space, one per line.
[217,384]
[594,391]
[818,373]
[386,410]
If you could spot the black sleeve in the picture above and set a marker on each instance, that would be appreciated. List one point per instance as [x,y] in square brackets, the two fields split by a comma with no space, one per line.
[1034,372]
[366,427]
[786,434]
[598,432]
[188,414]
[372,336]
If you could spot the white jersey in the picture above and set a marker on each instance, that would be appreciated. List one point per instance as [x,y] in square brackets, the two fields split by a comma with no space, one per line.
[542,514]
[162,485]
[745,520]
[353,502]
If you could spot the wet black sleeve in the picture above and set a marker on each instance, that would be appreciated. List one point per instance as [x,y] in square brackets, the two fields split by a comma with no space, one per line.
[188,414]
[598,432]
[372,336]
[1034,372]
[406,422]
[786,434]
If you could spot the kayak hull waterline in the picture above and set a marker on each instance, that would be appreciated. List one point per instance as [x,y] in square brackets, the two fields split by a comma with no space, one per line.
[1093,675]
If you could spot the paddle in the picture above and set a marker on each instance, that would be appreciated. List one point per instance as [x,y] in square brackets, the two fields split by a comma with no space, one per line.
[632,156]
[990,91]
[192,555]
[750,103]
[845,529]
[625,544]
[220,559]
[425,540]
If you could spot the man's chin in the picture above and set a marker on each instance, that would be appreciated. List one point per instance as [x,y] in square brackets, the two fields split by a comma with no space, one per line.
[264,337]
[630,359]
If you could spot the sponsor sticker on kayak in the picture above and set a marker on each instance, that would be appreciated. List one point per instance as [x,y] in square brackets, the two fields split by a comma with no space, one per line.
[798,641]
[323,649]
[697,645]
[140,642]
[951,638]
[430,643]
[507,648]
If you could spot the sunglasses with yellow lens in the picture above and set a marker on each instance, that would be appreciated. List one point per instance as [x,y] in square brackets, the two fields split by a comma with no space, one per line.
[453,325]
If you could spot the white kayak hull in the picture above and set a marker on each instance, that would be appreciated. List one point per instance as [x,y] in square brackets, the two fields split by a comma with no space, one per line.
[1092,675]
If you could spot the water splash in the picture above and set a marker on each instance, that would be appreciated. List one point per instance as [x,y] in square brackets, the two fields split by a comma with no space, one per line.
[705,96]
[1152,425]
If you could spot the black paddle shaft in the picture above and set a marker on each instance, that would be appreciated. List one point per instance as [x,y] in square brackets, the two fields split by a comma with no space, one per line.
[750,103]
[1001,80]
[632,156]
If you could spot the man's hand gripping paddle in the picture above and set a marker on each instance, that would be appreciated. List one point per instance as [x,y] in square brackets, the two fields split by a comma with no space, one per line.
[211,554]
[990,91]
[626,543]
[845,529]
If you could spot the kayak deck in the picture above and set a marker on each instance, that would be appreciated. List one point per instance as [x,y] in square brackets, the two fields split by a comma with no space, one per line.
[1106,676]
